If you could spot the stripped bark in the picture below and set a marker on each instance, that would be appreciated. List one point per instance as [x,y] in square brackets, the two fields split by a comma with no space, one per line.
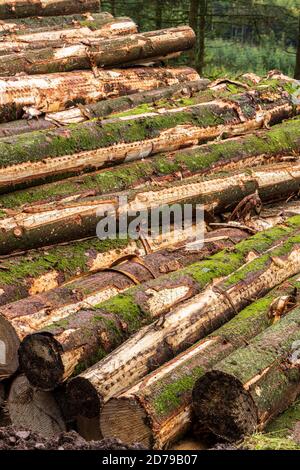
[45,154]
[252,385]
[75,218]
[111,322]
[23,8]
[50,93]
[131,49]
[34,410]
[160,404]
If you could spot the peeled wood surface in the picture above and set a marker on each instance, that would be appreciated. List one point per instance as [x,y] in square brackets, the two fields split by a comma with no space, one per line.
[24,8]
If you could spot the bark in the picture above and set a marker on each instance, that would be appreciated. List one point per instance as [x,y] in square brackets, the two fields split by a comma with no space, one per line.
[34,95]
[133,49]
[164,397]
[68,150]
[33,313]
[111,322]
[76,218]
[14,44]
[200,58]
[252,385]
[34,410]
[2,395]
[280,143]
[297,66]
[24,8]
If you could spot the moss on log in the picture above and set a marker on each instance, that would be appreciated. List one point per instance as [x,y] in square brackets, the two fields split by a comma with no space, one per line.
[24,8]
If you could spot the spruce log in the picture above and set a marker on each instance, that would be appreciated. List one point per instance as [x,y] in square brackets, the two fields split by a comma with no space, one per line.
[131,49]
[281,142]
[75,218]
[23,8]
[160,404]
[33,313]
[92,145]
[109,324]
[49,93]
[242,393]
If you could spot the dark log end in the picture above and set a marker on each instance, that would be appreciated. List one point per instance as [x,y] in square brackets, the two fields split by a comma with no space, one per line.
[40,360]
[9,344]
[223,407]
[83,399]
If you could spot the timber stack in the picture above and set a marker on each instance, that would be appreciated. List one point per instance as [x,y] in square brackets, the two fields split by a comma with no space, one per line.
[98,132]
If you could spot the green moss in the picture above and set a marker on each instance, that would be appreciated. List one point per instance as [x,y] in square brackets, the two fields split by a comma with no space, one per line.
[270,442]
[126,308]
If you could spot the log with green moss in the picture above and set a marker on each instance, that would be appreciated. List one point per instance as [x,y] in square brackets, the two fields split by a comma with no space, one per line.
[110,323]
[33,313]
[281,142]
[160,404]
[78,217]
[130,49]
[47,154]
[24,8]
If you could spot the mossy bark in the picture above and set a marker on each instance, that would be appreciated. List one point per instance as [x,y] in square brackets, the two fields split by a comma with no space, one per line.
[111,52]
[108,325]
[165,396]
[252,385]
[24,8]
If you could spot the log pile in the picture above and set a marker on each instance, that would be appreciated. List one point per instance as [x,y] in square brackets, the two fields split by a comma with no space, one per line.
[203,331]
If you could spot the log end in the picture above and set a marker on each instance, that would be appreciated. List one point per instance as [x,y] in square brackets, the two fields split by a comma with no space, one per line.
[40,357]
[223,407]
[9,344]
[126,419]
[83,399]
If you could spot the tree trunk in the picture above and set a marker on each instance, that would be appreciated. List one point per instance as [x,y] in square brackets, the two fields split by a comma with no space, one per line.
[279,143]
[297,67]
[137,48]
[193,22]
[23,8]
[200,57]
[112,321]
[160,404]
[71,149]
[252,385]
[158,14]
[32,95]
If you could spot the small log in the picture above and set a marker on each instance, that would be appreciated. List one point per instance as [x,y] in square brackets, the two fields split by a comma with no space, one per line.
[253,385]
[160,404]
[23,8]
[111,322]
[34,410]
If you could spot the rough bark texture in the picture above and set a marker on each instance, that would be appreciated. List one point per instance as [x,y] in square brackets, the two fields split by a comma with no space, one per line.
[164,397]
[23,8]
[43,154]
[111,322]
[75,218]
[252,385]
[130,49]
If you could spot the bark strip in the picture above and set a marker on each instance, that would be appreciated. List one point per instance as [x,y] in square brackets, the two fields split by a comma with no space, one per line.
[23,8]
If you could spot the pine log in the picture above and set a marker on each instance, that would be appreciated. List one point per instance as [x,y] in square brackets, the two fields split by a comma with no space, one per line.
[33,313]
[76,218]
[23,8]
[34,410]
[253,385]
[49,93]
[109,324]
[160,404]
[92,145]
[280,143]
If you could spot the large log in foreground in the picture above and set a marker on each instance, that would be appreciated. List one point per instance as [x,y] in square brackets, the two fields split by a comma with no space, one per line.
[253,385]
[109,324]
[75,218]
[92,145]
[23,8]
[159,406]
[130,49]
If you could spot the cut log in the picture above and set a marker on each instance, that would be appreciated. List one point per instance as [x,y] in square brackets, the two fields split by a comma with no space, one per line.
[31,314]
[109,324]
[48,154]
[75,218]
[253,385]
[34,410]
[280,143]
[50,93]
[160,404]
[23,8]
